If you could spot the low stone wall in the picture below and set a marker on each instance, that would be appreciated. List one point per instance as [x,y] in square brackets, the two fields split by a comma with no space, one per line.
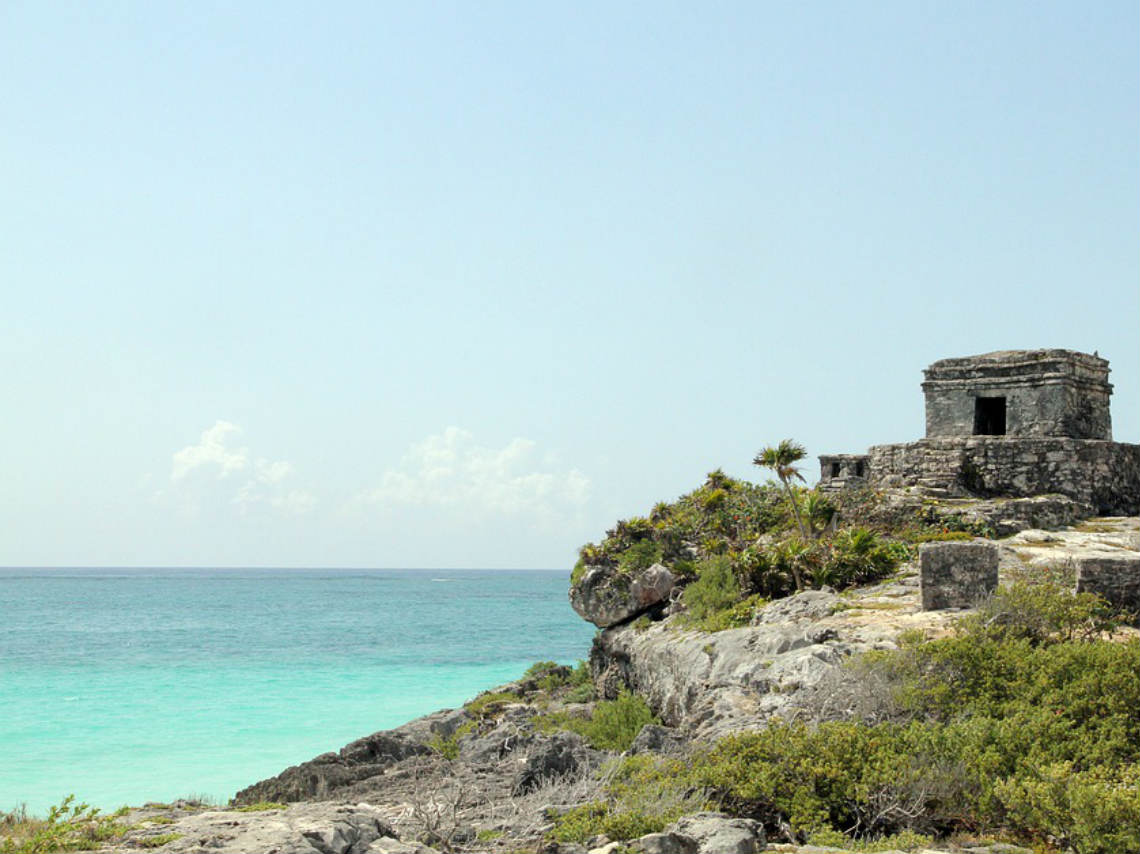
[956,575]
[1103,474]
[1117,579]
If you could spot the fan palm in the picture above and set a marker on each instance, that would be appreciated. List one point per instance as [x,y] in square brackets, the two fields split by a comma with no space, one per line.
[782,460]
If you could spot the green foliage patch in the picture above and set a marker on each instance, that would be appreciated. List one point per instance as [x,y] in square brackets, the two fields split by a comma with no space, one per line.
[722,515]
[448,747]
[732,539]
[612,725]
[68,827]
[490,705]
[157,841]
[643,794]
[262,806]
[1025,721]
[581,684]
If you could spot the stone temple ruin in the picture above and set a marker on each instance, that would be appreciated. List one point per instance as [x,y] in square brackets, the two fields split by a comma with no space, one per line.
[1013,423]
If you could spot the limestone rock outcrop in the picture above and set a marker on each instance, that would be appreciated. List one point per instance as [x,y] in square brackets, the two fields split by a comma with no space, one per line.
[314,828]
[606,596]
[321,777]
[550,757]
[716,833]
[710,685]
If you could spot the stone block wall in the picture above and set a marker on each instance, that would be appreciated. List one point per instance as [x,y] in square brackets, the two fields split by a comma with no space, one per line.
[956,575]
[1117,579]
[1046,393]
[1105,475]
[839,471]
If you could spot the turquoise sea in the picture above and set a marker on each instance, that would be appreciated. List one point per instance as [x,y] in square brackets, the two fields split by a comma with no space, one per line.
[127,685]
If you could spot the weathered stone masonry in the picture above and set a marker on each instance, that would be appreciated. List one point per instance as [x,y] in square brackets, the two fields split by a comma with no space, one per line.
[1019,393]
[1103,474]
[1011,423]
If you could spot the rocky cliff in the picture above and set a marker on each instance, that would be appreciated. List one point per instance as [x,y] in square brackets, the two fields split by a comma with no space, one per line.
[490,776]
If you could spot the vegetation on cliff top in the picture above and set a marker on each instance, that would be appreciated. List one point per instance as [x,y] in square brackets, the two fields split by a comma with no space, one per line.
[731,542]
[1024,722]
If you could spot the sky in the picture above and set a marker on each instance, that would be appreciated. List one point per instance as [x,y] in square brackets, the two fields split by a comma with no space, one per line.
[367,284]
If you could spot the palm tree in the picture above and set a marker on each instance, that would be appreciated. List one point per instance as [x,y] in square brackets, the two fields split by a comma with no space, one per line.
[782,460]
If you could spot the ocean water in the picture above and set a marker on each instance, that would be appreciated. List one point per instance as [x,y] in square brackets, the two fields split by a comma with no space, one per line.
[127,685]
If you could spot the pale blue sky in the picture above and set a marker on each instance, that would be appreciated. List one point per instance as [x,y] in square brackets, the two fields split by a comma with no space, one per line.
[380,284]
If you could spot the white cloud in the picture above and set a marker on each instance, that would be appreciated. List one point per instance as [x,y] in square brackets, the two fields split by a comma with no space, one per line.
[211,451]
[215,458]
[451,470]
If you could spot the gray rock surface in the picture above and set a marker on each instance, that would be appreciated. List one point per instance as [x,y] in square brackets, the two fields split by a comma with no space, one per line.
[717,833]
[665,843]
[606,597]
[315,828]
[709,685]
[507,737]
[659,739]
[319,778]
[551,757]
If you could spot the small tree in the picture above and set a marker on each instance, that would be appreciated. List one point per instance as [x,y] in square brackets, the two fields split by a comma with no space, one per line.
[782,460]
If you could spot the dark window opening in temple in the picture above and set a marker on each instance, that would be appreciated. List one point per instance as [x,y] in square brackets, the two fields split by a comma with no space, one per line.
[835,469]
[859,469]
[989,416]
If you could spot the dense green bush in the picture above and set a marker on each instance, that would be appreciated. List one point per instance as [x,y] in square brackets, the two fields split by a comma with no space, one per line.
[68,827]
[583,822]
[639,556]
[722,515]
[643,794]
[581,684]
[612,725]
[715,589]
[752,530]
[1026,720]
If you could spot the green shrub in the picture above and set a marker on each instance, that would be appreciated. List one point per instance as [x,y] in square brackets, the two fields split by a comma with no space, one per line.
[448,747]
[1043,612]
[640,555]
[947,522]
[261,806]
[581,823]
[936,535]
[721,516]
[540,669]
[612,725]
[490,705]
[1029,724]
[548,676]
[68,827]
[856,556]
[715,589]
[906,840]
[157,841]
[615,723]
[1097,810]
[644,794]
[734,616]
